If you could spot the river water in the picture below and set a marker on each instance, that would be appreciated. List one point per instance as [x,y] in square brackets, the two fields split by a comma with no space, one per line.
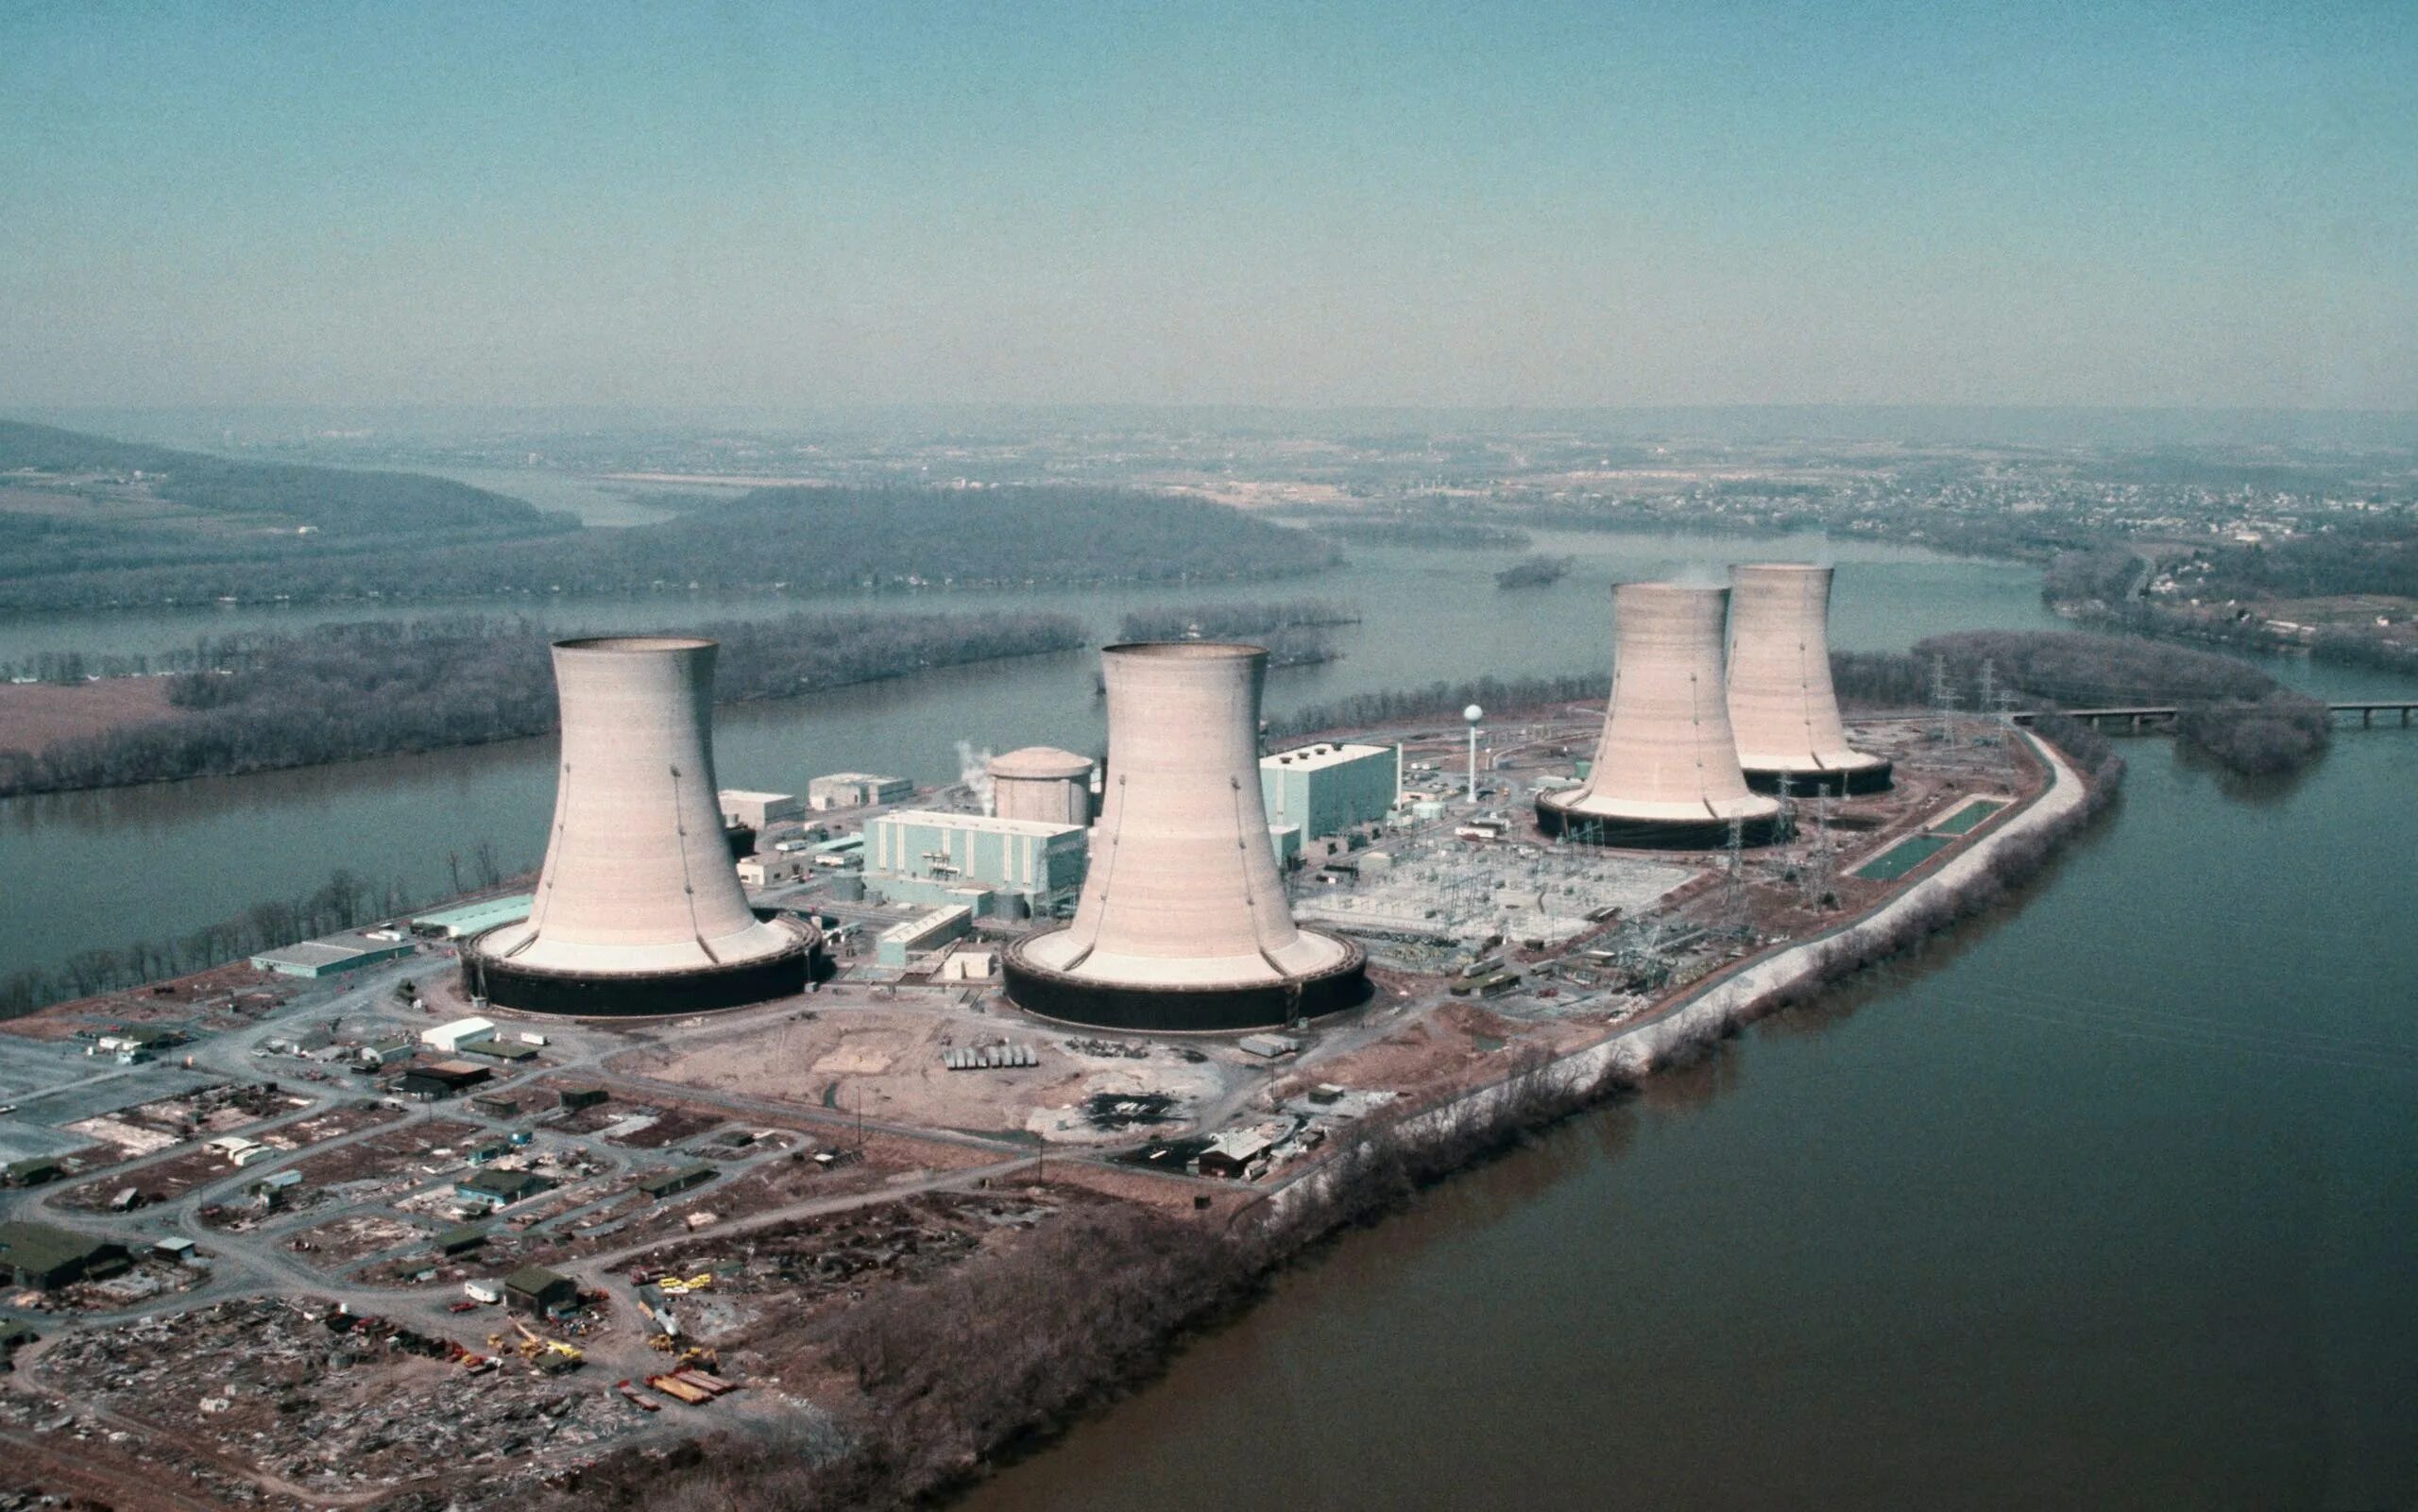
[106,868]
[2110,1199]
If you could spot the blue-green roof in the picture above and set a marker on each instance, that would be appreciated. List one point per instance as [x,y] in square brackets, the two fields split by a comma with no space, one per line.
[472,917]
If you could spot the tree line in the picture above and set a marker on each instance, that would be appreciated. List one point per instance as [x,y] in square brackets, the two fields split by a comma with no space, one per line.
[347,900]
[346,692]
[768,539]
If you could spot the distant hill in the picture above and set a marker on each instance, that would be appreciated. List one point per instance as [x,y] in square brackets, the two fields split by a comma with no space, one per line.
[335,499]
[78,530]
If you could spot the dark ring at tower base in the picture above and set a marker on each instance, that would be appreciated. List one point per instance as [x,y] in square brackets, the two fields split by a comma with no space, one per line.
[1847,782]
[599,995]
[1210,1009]
[1651,834]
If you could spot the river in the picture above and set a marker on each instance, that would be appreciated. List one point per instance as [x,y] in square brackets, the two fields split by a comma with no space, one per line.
[106,868]
[2108,1199]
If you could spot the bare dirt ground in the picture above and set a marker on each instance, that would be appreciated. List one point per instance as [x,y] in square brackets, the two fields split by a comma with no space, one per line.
[36,715]
[887,1062]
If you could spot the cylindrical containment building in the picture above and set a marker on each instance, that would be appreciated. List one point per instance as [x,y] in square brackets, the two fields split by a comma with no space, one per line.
[1666,774]
[1041,782]
[639,910]
[1782,705]
[1184,924]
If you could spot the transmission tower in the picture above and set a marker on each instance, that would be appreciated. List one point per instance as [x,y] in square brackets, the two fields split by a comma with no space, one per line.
[1735,921]
[1821,858]
[1943,702]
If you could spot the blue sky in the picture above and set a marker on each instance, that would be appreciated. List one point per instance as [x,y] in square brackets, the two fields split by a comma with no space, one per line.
[2113,203]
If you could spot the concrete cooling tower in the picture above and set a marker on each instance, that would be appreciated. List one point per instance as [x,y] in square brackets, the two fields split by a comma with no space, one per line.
[1782,705]
[639,910]
[1183,923]
[1666,772]
[1041,782]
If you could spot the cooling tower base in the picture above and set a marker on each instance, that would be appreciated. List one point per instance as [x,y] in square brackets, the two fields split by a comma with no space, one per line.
[1629,833]
[1186,1010]
[637,995]
[1835,782]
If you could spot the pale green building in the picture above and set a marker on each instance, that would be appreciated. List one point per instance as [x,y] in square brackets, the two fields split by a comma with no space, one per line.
[1330,790]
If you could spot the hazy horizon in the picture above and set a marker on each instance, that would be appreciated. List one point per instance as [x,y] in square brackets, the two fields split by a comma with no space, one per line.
[1527,207]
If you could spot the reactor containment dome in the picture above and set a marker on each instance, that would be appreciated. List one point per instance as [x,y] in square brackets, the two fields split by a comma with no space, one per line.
[639,910]
[1184,924]
[1666,774]
[1044,783]
[1781,703]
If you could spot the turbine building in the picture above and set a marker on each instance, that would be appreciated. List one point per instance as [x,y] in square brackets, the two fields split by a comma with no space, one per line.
[1183,923]
[1666,773]
[1781,703]
[639,910]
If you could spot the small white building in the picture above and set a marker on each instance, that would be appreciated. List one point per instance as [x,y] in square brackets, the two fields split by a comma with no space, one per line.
[772,871]
[447,1037]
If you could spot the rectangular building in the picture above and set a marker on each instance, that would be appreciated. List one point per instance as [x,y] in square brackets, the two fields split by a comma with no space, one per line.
[776,870]
[856,789]
[900,943]
[1331,790]
[755,810]
[447,1037]
[917,855]
[334,955]
[43,1257]
[672,1183]
[446,1078]
[535,1289]
[474,918]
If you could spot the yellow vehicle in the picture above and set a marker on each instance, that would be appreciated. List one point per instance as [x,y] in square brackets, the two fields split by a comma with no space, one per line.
[681,1288]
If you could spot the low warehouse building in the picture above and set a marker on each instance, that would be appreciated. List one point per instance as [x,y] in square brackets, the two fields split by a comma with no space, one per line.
[335,954]
[43,1257]
[502,1188]
[856,789]
[447,1037]
[672,1183]
[741,810]
[535,1289]
[474,918]
[901,942]
[446,1078]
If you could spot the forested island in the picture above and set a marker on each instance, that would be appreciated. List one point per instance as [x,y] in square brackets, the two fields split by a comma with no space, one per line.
[1296,631]
[1540,571]
[98,524]
[345,692]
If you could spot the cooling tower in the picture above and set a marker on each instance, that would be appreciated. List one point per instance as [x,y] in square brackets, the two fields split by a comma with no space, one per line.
[1183,923]
[1782,705]
[1041,782]
[639,910]
[1666,772]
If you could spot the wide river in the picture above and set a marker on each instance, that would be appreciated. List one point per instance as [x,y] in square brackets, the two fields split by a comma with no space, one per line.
[2110,1200]
[108,868]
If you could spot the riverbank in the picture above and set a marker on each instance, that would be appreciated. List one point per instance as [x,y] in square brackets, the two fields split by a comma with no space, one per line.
[995,1357]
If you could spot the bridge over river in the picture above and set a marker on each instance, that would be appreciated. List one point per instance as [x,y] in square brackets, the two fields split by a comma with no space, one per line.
[2140,719]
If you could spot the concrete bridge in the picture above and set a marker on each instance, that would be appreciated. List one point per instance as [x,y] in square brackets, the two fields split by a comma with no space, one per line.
[2140,718]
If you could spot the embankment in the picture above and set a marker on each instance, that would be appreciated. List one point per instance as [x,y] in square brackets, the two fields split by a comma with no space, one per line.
[993,1357]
